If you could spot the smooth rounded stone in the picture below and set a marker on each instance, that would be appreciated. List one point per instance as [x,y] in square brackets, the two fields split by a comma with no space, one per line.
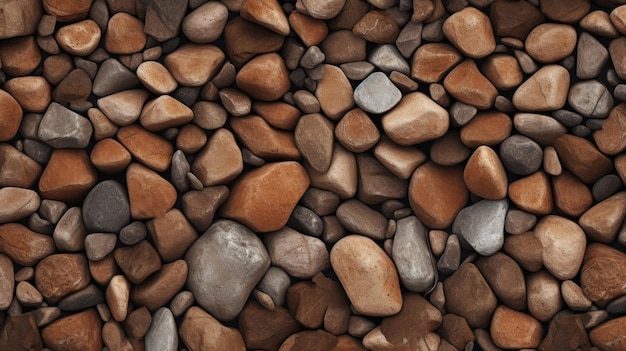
[124,107]
[266,328]
[359,326]
[334,92]
[468,295]
[602,271]
[7,279]
[106,208]
[16,168]
[564,244]
[162,334]
[37,151]
[617,47]
[438,93]
[267,13]
[553,9]
[18,203]
[582,158]
[368,276]
[109,156]
[114,338]
[356,131]
[438,240]
[181,302]
[574,297]
[125,34]
[314,139]
[275,283]
[551,42]
[243,260]
[503,71]
[341,177]
[449,150]
[618,18]
[23,20]
[113,77]
[27,295]
[532,193]
[200,329]
[306,221]
[102,271]
[377,183]
[526,249]
[301,256]
[321,202]
[235,102]
[102,126]
[208,115]
[605,187]
[156,78]
[415,119]
[323,10]
[357,70]
[608,334]
[432,61]
[403,82]
[437,194]
[545,90]
[377,94]
[310,30]
[171,247]
[598,22]
[591,56]
[200,206]
[484,174]
[486,128]
[80,38]
[511,329]
[359,218]
[571,196]
[609,138]
[506,278]
[117,297]
[520,155]
[164,112]
[138,261]
[149,194]
[399,160]
[98,245]
[81,330]
[410,38]
[33,93]
[59,275]
[20,56]
[73,89]
[244,39]
[412,255]
[206,23]
[471,32]
[264,77]
[161,287]
[377,27]
[63,128]
[23,245]
[138,323]
[603,221]
[68,177]
[185,62]
[518,222]
[485,236]
[543,295]
[466,84]
[133,233]
[306,101]
[540,128]
[82,299]
[387,58]
[591,99]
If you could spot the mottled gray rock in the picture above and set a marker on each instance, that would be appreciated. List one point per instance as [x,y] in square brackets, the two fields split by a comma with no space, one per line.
[591,57]
[358,218]
[301,256]
[567,118]
[106,208]
[113,77]
[450,260]
[69,233]
[518,222]
[605,187]
[540,128]
[591,99]
[377,94]
[410,38]
[225,264]
[306,221]
[275,283]
[481,226]
[63,128]
[594,123]
[82,299]
[433,31]
[133,233]
[180,168]
[162,335]
[387,58]
[98,245]
[312,57]
[461,113]
[38,151]
[520,155]
[357,70]
[412,256]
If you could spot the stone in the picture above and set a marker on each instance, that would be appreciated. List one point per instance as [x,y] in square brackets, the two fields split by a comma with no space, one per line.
[148,148]
[149,194]
[67,12]
[244,39]
[301,256]
[513,329]
[610,138]
[275,283]
[74,89]
[7,278]
[200,206]
[377,94]
[265,77]
[199,329]
[138,261]
[375,293]
[156,78]
[518,222]
[341,177]
[591,99]
[544,295]
[98,245]
[468,295]
[406,124]
[20,333]
[162,334]
[545,90]
[323,10]
[412,256]
[109,156]
[163,19]
[551,42]
[20,56]
[78,331]
[261,328]
[19,203]
[608,334]
[378,27]
[11,118]
[102,271]
[206,23]
[171,247]
[59,275]
[80,38]
[33,93]
[571,196]
[113,77]
[484,174]
[194,64]
[599,283]
[124,107]
[220,161]
[334,91]
[267,13]
[356,131]
[164,112]
[582,158]
[455,332]
[22,18]
[599,23]
[503,71]
[387,58]
[416,312]
[242,259]
[605,187]
[485,236]
[62,128]
[470,31]
[117,297]
[310,30]
[506,278]
[68,177]
[603,221]
[263,140]
[358,218]
[138,323]
[486,128]
[161,287]
[526,249]
[514,19]
[114,338]
[106,208]
[532,193]
[253,199]
[574,297]
[553,10]
[125,34]
[564,244]
[314,138]
[82,299]
[24,246]
[591,56]
[399,160]
[520,155]
[377,183]
[432,61]
[410,38]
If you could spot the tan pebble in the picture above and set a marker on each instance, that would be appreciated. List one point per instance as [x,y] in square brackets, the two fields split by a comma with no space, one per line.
[59,275]
[109,156]
[199,329]
[18,203]
[79,39]
[81,330]
[33,93]
[571,196]
[466,84]
[598,22]
[235,102]
[310,30]
[545,90]
[343,46]
[27,294]
[16,168]
[326,9]
[564,244]
[123,108]
[582,158]
[432,61]
[617,50]
[102,126]
[406,124]
[23,245]
[544,295]
[551,163]
[191,139]
[511,329]
[526,249]
[574,297]
[206,23]
[264,141]
[449,150]
[610,139]
[117,297]
[68,176]
[603,273]
[314,139]
[609,334]
[114,338]
[438,240]
[102,271]
[194,64]
[125,34]
[11,118]
[378,27]
[503,71]
[20,56]
[532,193]
[154,76]
[164,112]
[150,195]
[506,278]
[471,32]
[551,42]
[267,13]
[200,206]
[265,77]
[603,221]
[75,88]
[341,177]
[220,161]
[368,276]
[399,160]
[485,175]
[262,199]
[148,148]
[334,92]
[540,128]
[161,287]
[356,131]
[7,279]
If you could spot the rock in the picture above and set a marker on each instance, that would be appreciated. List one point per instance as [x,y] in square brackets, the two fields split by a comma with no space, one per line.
[544,295]
[412,256]
[262,328]
[148,148]
[540,128]
[190,139]
[503,71]
[200,206]
[551,42]
[16,168]
[194,64]
[59,275]
[310,30]
[206,23]
[265,77]
[199,329]
[62,128]
[138,323]
[563,244]
[571,196]
[602,222]
[432,61]
[518,222]
[582,158]
[609,138]
[471,32]
[301,256]
[437,194]
[24,246]
[125,34]
[117,297]
[591,99]
[486,128]
[79,331]
[20,56]
[532,194]
[7,278]
[526,249]
[602,272]
[334,91]
[32,92]
[84,298]
[109,156]
[608,334]
[341,177]
[106,208]
[267,13]
[484,174]
[358,218]
[514,19]
[113,77]
[513,329]
[553,10]
[19,203]
[591,56]
[317,340]
[253,199]
[314,139]
[520,155]
[220,161]
[67,12]
[263,140]
[163,19]
[377,94]
[399,160]
[138,261]
[505,278]
[244,40]
[98,245]
[124,107]
[164,112]
[20,333]
[406,124]
[375,293]
[417,310]
[161,287]
[552,81]
[485,236]
[566,330]
[387,58]
[171,247]
[156,77]
[378,27]
[149,194]
[242,260]
[322,10]
[469,296]
[574,297]
[23,18]
[80,38]
[377,183]
[68,177]
[275,283]
[162,334]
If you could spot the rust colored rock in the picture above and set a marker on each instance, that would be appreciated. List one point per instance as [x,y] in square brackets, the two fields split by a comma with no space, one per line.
[67,11]
[262,328]
[264,141]
[468,295]
[551,42]
[611,138]
[532,193]
[161,287]
[22,18]
[582,158]
[244,39]
[77,332]
[265,77]
[471,32]
[484,174]
[109,156]
[466,84]
[20,332]
[571,196]
[565,11]
[378,27]
[310,30]
[11,116]
[171,247]
[23,245]
[149,194]
[356,131]
[334,92]
[267,13]
[603,273]
[545,90]
[199,330]
[514,18]
[125,34]
[138,261]
[603,221]
[511,329]
[73,89]
[16,168]
[416,319]
[79,39]
[488,128]
[68,177]
[432,61]
[20,56]
[194,64]
[315,140]
[146,147]
[59,275]
[609,335]
[220,161]
[32,92]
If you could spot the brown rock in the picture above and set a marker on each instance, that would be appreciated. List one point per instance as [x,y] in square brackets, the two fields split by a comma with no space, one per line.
[314,139]
[609,335]
[278,114]
[22,19]
[544,295]
[109,156]
[449,150]
[378,27]
[59,275]
[468,295]
[18,203]
[264,141]
[466,84]
[514,18]
[33,93]
[20,333]
[262,200]
[377,183]
[148,148]
[532,193]
[194,64]
[571,196]
[317,340]
[356,131]
[471,32]
[161,287]
[540,128]
[68,177]
[437,194]
[310,30]
[551,42]
[138,261]
[603,221]
[343,46]
[17,169]
[455,331]
[73,89]
[526,249]
[545,90]
[77,332]
[171,247]
[124,107]
[574,296]
[200,206]
[341,177]
[114,338]
[415,119]
[484,174]
[7,279]
[506,279]
[262,328]
[265,77]
[582,158]
[154,76]
[220,162]
[206,23]
[125,34]
[503,71]
[191,139]
[417,318]
[511,329]
[199,330]
[617,50]
[244,40]
[138,323]
[334,92]
[164,112]
[358,218]
[67,11]
[399,160]
[267,13]
[603,273]
[81,38]
[598,22]
[103,271]
[117,297]
[24,246]
[322,10]
[11,116]
[432,61]
[568,12]
[20,56]
[566,330]
[150,195]
[611,138]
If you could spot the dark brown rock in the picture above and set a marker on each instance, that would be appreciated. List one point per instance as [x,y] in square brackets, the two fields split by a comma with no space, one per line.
[265,329]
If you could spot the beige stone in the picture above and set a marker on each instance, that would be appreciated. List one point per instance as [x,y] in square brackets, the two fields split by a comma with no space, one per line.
[79,39]
[220,161]
[334,92]
[551,42]
[545,90]
[484,174]
[194,64]
[154,76]
[471,32]
[265,77]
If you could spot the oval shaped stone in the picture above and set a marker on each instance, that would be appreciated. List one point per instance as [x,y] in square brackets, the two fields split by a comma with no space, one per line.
[79,39]
[551,42]
[471,32]
[106,208]
[412,256]
[17,203]
[564,244]
[59,275]
[23,245]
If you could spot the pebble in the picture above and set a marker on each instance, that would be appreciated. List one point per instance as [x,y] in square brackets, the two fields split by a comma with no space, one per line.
[377,94]
[81,330]
[156,78]
[468,295]
[84,298]
[520,155]
[113,77]
[162,334]
[532,193]
[334,91]
[449,150]
[117,297]
[20,331]
[506,278]
[576,11]
[591,99]
[511,329]
[243,260]
[486,237]
[194,64]
[98,245]
[206,23]
[432,61]
[564,244]
[399,160]
[125,34]
[170,247]
[378,27]
[254,319]
[32,93]
[275,283]
[265,77]
[220,161]
[591,56]
[199,329]
[410,38]
[106,208]
[484,174]
[321,10]
[545,90]
[574,297]
[25,20]
[244,40]
[59,275]
[306,221]
[540,128]
[161,287]
[263,140]
[571,196]
[19,203]
[109,156]
[80,38]
[486,128]
[582,158]
[356,131]
[603,221]
[414,308]
[543,295]
[503,71]
[20,56]
[68,177]
[471,32]
[412,256]
[368,276]
[62,128]
[301,256]
[73,89]
[358,218]
[138,322]
[373,173]
[7,278]
[138,261]
[387,58]
[551,42]
[149,194]
[518,222]
[310,30]
[608,334]
[408,124]
[599,283]
[200,206]
[24,246]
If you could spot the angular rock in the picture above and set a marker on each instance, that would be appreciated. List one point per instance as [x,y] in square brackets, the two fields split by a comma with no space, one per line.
[513,329]
[109,156]
[79,331]
[194,64]
[545,90]
[200,206]
[59,275]
[301,256]
[113,77]
[148,148]
[415,119]
[602,273]
[378,27]
[532,194]
[486,128]
[432,61]
[314,139]
[591,99]
[162,334]
[68,177]
[124,107]
[471,32]
[263,140]
[220,161]
[161,287]
[377,94]
[610,138]
[16,168]
[62,128]
[484,174]
[481,226]
[23,245]
[265,77]
[469,296]
[334,92]
[199,330]
[582,158]
[138,261]
[149,194]
[164,112]
[267,13]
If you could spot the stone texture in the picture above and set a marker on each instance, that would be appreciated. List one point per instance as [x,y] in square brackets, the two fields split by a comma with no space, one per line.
[602,272]
[334,91]
[68,177]
[16,168]
[124,107]
[512,329]
[148,148]
[125,34]
[20,333]
[67,11]
[551,42]
[59,275]
[79,331]
[469,296]
[532,193]
[138,261]
[484,174]
[62,128]
[609,334]
[162,334]
[21,19]
[412,256]
[263,140]
[544,295]
[358,218]
[603,221]
[109,156]
[19,203]
[545,90]
[301,256]
[471,32]
[33,93]
[244,40]
[377,27]
[200,206]
[106,208]
[506,278]
[199,330]
[356,131]
[161,287]
[520,155]
[582,158]
[194,64]
[149,194]
[267,13]
[23,245]
[265,77]
[206,23]
[80,38]
[432,61]
[481,226]
[514,19]
[262,328]
[486,128]
[377,94]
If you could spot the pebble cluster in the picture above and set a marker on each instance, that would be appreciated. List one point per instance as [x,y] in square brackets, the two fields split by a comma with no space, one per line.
[312,175]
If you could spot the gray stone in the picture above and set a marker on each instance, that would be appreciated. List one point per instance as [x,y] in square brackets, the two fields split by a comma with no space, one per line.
[450,260]
[63,128]
[620,92]
[82,299]
[52,210]
[38,151]
[461,113]
[275,283]
[98,245]
[617,306]
[181,303]
[591,99]
[357,70]
[594,123]
[164,18]
[526,62]
[387,58]
[540,128]
[433,31]
[133,233]
[40,225]
[412,256]
[225,264]
[503,104]
[410,38]
[377,94]
[306,221]
[250,158]
[312,57]
[606,186]
[106,208]
[518,222]
[162,335]
[581,131]
[70,232]
[113,77]
[180,168]
[358,218]
[591,57]
[481,226]
[520,155]
[301,256]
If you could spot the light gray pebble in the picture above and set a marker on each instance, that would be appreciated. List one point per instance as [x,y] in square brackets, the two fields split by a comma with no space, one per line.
[275,283]
[180,168]
[412,256]
[162,335]
[358,70]
[481,226]
[133,233]
[377,94]
[591,99]
[63,128]
[387,58]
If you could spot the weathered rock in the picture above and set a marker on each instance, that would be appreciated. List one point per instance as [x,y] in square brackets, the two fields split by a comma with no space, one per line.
[481,226]
[412,256]
[199,330]
[62,128]
[68,177]
[513,329]
[59,275]
[149,194]
[106,208]
[79,331]
[471,32]
[162,334]
[484,174]
[545,90]
[468,295]
[602,272]
[300,255]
